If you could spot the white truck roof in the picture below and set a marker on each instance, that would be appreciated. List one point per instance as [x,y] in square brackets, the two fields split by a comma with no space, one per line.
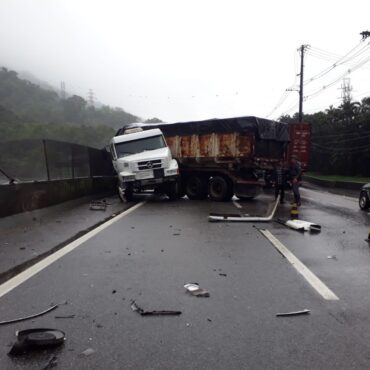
[136,135]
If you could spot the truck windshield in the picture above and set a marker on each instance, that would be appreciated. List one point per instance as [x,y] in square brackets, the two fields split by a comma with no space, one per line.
[140,145]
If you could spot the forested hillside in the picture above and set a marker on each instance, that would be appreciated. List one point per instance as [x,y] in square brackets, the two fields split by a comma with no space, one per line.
[340,139]
[28,111]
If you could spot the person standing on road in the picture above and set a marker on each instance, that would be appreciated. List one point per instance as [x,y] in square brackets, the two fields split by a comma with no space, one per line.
[295,174]
[280,181]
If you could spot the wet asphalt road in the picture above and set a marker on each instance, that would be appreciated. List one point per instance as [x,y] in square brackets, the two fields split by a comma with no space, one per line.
[149,254]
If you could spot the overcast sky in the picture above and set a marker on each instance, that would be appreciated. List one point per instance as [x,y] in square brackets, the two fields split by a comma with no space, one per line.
[187,60]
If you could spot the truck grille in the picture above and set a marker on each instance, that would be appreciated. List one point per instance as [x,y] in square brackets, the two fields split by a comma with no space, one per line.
[149,165]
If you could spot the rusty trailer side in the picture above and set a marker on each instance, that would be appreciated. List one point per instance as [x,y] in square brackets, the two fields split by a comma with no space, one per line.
[214,147]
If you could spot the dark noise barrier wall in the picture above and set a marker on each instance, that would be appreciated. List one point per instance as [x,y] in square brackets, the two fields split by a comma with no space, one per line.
[40,173]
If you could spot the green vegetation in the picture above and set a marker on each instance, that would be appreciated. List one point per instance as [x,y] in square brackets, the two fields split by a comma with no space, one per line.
[338,178]
[28,111]
[340,139]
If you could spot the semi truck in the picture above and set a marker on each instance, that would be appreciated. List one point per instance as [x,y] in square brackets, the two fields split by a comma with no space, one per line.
[220,158]
[143,161]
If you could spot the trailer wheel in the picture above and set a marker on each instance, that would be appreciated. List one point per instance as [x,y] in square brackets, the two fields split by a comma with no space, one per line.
[220,189]
[196,188]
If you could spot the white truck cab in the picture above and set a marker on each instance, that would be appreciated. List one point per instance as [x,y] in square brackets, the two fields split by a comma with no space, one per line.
[143,161]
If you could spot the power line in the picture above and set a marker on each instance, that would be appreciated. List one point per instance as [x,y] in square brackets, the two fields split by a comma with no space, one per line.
[319,91]
[288,90]
[339,62]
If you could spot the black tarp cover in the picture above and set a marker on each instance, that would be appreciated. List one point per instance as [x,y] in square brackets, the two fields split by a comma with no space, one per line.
[262,128]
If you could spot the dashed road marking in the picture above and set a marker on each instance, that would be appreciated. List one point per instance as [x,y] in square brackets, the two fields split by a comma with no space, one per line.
[310,277]
[39,266]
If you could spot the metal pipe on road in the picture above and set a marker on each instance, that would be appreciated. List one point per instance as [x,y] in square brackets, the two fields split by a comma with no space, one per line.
[214,217]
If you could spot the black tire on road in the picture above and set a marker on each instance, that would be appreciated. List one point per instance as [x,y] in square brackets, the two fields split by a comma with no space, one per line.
[129,194]
[363,201]
[173,191]
[196,188]
[220,189]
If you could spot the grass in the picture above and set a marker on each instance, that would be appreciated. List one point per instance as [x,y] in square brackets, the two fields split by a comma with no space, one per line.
[338,177]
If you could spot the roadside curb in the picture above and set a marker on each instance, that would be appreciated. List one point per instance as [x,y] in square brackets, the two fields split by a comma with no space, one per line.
[334,184]
[15,270]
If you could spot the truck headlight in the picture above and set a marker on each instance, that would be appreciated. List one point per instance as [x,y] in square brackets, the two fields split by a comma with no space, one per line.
[126,165]
[174,171]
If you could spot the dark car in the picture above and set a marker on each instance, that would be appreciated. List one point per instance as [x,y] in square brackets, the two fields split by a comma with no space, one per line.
[364,200]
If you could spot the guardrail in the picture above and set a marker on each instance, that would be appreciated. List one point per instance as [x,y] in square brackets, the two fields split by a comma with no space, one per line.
[39,173]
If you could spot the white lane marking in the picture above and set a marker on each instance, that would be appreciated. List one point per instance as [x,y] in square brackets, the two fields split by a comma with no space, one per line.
[39,266]
[236,204]
[311,278]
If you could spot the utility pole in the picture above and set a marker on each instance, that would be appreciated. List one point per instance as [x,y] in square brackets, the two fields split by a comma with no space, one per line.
[346,90]
[300,114]
[90,98]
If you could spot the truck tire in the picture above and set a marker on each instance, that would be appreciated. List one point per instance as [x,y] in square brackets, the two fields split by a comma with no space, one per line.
[220,189]
[173,191]
[196,188]
[129,194]
[364,201]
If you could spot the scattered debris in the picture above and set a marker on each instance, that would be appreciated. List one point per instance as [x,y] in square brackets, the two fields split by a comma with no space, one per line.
[221,274]
[98,205]
[65,317]
[87,352]
[294,313]
[332,258]
[51,363]
[114,291]
[209,320]
[36,339]
[176,234]
[195,290]
[28,317]
[139,310]
[214,217]
[301,225]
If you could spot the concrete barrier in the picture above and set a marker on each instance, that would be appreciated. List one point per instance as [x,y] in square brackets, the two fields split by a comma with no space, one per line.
[27,196]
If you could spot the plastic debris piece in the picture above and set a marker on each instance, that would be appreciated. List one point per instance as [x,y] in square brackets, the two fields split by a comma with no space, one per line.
[196,291]
[28,317]
[142,312]
[98,205]
[332,257]
[53,361]
[36,339]
[87,352]
[301,225]
[221,274]
[294,313]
